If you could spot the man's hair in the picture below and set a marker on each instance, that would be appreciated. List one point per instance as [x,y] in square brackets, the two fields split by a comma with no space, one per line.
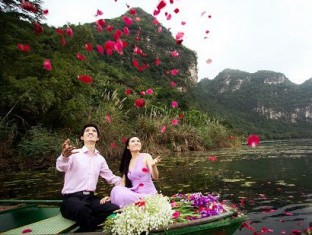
[89,125]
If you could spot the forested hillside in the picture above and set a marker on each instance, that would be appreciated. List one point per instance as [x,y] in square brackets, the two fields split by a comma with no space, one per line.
[125,74]
[265,102]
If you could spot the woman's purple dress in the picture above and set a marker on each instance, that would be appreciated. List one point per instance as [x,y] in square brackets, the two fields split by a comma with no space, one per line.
[142,185]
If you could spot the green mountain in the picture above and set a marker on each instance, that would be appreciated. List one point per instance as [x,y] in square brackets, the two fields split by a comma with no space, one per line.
[265,103]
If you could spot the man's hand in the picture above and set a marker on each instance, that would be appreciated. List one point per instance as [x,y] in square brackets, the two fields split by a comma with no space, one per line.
[156,160]
[105,199]
[67,148]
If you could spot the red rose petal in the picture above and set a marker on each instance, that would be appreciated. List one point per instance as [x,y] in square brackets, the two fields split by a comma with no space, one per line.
[85,78]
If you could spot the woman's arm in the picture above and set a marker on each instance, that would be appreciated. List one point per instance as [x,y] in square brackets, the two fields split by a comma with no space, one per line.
[152,165]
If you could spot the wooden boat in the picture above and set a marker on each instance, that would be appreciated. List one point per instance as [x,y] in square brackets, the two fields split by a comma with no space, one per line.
[43,217]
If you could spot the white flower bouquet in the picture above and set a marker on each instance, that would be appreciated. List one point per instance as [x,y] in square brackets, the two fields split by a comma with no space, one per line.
[145,215]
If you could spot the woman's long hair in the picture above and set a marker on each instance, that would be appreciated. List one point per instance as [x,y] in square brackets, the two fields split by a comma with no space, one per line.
[124,164]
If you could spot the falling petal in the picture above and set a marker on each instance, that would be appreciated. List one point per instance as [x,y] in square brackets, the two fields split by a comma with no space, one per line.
[128,91]
[23,47]
[183,23]
[132,11]
[157,61]
[149,91]
[139,103]
[174,104]
[88,47]
[174,54]
[85,78]
[27,230]
[126,31]
[175,122]
[100,22]
[38,28]
[127,20]
[80,57]
[108,118]
[59,31]
[253,140]
[45,11]
[144,169]
[176,10]
[100,49]
[209,61]
[169,17]
[99,12]
[47,65]
[163,129]
[69,32]
[161,5]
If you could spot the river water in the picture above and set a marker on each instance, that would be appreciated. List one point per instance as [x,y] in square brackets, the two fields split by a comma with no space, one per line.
[271,183]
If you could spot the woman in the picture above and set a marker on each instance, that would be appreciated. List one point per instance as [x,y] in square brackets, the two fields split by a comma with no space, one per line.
[138,170]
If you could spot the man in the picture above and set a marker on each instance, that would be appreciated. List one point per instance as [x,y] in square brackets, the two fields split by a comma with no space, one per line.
[82,169]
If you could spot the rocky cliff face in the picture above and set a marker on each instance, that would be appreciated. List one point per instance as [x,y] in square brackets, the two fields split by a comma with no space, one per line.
[257,99]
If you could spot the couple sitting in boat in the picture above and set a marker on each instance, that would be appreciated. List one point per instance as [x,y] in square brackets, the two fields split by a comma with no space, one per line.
[82,169]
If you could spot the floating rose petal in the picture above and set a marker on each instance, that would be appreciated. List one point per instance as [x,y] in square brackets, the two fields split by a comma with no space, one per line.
[27,230]
[179,35]
[113,145]
[169,17]
[23,47]
[38,28]
[207,31]
[140,203]
[85,78]
[59,31]
[171,1]
[174,104]
[69,32]
[144,169]
[175,54]
[100,22]
[109,47]
[45,11]
[128,91]
[80,57]
[149,91]
[108,118]
[296,231]
[99,12]
[63,41]
[135,63]
[253,140]
[126,31]
[212,158]
[139,103]
[127,20]
[176,10]
[175,122]
[109,28]
[132,11]
[47,65]
[181,116]
[100,49]
[176,214]
[174,72]
[183,23]
[28,6]
[209,61]
[163,129]
[173,84]
[141,184]
[157,61]
[88,47]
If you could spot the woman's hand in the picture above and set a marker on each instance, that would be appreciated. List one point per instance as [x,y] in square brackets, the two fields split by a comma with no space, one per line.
[156,160]
[105,199]
[67,149]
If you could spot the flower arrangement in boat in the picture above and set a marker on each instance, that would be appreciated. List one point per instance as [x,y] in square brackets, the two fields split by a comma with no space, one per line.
[149,213]
[158,212]
[195,206]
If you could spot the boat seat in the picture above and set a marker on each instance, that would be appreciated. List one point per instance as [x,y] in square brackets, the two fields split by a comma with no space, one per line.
[53,225]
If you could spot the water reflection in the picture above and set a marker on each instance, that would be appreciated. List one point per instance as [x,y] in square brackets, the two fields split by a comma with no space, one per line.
[271,183]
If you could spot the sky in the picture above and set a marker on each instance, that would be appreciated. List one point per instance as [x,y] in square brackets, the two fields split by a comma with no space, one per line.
[248,35]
